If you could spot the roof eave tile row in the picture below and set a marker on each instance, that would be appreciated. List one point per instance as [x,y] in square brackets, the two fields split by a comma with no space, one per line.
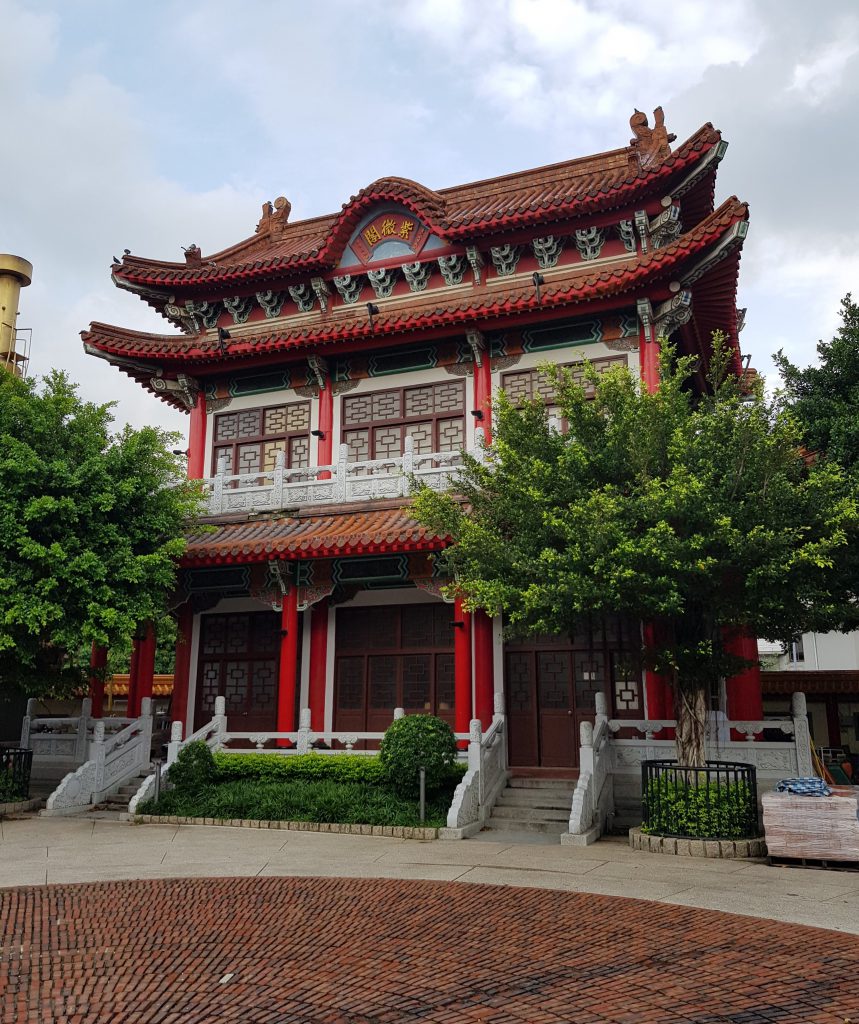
[320,250]
[352,323]
[368,532]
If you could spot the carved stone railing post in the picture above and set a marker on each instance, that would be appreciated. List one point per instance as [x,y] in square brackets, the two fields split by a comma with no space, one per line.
[279,463]
[305,737]
[408,465]
[220,721]
[83,730]
[97,755]
[399,713]
[27,723]
[801,735]
[475,734]
[216,501]
[175,742]
[341,472]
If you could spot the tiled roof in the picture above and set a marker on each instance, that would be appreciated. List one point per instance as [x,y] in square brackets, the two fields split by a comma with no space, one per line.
[811,681]
[117,685]
[544,194]
[578,283]
[359,531]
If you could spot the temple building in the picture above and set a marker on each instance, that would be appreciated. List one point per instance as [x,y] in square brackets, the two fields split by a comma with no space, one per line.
[323,362]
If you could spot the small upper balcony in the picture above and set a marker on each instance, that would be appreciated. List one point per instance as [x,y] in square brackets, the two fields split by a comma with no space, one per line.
[342,482]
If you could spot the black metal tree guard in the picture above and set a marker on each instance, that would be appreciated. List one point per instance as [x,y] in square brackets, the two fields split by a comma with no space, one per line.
[718,800]
[15,766]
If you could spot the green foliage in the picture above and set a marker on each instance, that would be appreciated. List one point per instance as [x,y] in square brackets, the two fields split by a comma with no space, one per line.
[310,767]
[825,398]
[91,524]
[415,742]
[695,513]
[704,811]
[322,800]
[11,788]
[194,770]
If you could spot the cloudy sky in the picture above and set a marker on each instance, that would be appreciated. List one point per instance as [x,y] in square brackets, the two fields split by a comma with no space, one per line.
[153,125]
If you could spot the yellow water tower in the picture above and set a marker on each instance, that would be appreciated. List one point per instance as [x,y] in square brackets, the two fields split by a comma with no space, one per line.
[15,274]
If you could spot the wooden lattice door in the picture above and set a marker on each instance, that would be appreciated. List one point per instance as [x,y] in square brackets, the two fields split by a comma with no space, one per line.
[389,657]
[239,656]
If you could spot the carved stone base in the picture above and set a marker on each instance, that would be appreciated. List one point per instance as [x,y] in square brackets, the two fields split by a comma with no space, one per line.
[727,849]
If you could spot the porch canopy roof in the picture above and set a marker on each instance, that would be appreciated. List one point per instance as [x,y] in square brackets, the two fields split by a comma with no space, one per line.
[386,527]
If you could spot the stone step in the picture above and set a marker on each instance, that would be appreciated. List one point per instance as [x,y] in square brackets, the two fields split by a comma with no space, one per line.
[535,798]
[531,813]
[525,825]
[535,782]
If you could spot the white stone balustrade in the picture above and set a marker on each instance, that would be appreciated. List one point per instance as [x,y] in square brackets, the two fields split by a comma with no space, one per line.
[610,766]
[343,481]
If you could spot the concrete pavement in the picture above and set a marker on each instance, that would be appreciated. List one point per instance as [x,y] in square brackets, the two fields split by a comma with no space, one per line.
[39,851]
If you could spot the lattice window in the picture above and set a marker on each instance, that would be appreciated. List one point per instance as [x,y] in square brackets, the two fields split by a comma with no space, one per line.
[518,681]
[406,656]
[553,680]
[239,661]
[350,683]
[376,425]
[523,385]
[383,680]
[248,441]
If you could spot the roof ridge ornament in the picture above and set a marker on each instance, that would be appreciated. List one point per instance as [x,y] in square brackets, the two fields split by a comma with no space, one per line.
[274,217]
[650,145]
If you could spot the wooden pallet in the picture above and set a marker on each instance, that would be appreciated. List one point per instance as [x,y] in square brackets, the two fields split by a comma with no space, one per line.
[813,862]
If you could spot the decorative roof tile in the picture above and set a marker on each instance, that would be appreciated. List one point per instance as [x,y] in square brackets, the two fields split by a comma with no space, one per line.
[311,535]
[578,283]
[564,190]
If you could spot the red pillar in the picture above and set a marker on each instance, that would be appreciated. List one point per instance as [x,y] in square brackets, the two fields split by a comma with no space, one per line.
[325,444]
[287,673]
[483,395]
[462,667]
[660,702]
[182,668]
[197,439]
[133,677]
[318,663]
[648,353]
[833,721]
[743,691]
[145,670]
[484,690]
[97,664]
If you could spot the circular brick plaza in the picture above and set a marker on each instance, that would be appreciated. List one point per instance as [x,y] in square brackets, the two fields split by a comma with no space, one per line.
[308,950]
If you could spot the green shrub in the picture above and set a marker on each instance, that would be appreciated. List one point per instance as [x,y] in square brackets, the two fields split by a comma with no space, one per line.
[415,742]
[194,770]
[345,803]
[11,790]
[311,767]
[706,811]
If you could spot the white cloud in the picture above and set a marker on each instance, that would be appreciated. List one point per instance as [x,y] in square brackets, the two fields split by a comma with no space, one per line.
[814,81]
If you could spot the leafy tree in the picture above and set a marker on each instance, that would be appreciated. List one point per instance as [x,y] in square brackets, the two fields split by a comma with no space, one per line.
[696,514]
[91,524]
[825,398]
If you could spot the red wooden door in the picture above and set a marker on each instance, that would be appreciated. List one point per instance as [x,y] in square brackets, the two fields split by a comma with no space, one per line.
[389,657]
[239,655]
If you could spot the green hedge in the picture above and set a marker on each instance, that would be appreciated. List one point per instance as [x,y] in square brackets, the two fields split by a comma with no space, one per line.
[706,811]
[346,803]
[310,767]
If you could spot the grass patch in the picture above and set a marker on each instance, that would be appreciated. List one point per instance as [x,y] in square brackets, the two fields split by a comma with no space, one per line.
[301,799]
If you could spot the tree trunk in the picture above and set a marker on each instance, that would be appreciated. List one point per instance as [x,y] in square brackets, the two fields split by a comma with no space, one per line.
[691,708]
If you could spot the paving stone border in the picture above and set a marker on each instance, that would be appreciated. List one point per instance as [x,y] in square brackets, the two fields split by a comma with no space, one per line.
[391,831]
[728,849]
[21,805]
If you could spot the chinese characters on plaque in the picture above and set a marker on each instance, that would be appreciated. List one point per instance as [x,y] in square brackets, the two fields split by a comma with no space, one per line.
[389,227]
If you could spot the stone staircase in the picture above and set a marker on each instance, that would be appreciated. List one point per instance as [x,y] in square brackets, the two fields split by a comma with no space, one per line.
[533,805]
[116,802]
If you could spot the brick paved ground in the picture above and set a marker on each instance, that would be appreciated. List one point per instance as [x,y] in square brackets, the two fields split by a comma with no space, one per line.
[382,951]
